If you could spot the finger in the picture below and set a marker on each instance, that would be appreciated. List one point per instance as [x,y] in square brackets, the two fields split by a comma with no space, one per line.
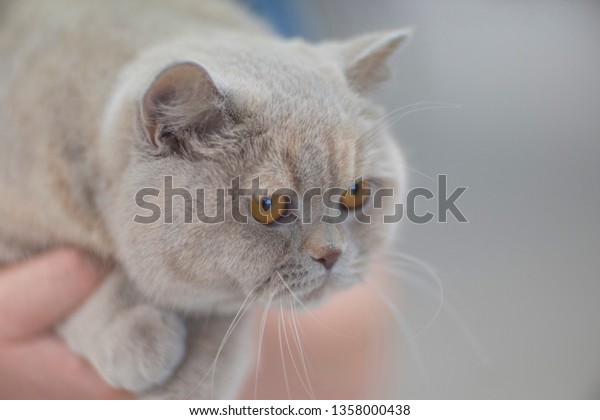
[44,368]
[36,294]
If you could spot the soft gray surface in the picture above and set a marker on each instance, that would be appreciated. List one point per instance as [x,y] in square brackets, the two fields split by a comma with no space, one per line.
[524,272]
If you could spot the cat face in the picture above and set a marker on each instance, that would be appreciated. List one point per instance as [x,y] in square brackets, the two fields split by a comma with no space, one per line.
[295,121]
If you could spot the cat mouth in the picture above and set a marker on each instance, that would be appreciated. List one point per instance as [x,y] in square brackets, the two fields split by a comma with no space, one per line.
[305,290]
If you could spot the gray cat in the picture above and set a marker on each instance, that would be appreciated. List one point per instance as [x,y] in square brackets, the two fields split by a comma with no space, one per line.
[99,100]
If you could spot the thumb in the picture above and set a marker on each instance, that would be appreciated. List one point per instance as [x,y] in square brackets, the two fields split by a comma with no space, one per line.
[36,294]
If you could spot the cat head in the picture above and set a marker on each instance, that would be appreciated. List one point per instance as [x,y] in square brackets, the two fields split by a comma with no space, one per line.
[286,117]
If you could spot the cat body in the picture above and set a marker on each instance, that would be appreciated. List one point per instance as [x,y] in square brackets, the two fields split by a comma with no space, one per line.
[99,100]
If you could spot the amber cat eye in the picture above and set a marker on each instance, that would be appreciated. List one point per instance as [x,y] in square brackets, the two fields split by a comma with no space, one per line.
[269,209]
[355,196]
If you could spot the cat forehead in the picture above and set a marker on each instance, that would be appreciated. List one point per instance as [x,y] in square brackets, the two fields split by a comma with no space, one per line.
[295,75]
[301,157]
[309,142]
[295,100]
[300,104]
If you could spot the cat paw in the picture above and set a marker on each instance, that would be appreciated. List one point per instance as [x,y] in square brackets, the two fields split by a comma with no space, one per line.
[141,348]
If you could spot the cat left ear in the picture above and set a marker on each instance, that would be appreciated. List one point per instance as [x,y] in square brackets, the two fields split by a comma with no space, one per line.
[182,103]
[365,58]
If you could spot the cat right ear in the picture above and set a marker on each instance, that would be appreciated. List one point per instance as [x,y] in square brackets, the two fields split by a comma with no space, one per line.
[181,105]
[364,59]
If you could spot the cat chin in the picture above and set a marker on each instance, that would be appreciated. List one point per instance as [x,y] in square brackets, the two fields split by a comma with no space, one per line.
[318,295]
[333,284]
[321,294]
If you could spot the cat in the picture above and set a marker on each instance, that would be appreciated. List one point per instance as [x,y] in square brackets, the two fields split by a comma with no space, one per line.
[99,100]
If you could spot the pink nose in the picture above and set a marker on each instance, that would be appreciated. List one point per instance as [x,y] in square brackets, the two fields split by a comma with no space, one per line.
[327,257]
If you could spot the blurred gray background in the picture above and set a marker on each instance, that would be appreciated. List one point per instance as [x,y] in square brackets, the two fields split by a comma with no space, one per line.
[521,311]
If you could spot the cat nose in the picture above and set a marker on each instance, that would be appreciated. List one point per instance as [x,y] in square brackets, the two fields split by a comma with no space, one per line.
[327,256]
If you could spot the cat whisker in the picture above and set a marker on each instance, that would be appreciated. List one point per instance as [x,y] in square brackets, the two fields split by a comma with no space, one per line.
[304,358]
[285,375]
[416,105]
[413,346]
[467,333]
[449,308]
[301,335]
[308,311]
[423,174]
[432,274]
[238,316]
[307,387]
[402,112]
[236,320]
[261,334]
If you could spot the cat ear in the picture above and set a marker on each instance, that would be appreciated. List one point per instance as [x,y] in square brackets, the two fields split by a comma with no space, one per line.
[182,102]
[365,58]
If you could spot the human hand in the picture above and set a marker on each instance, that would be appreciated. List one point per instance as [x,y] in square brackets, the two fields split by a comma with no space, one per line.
[347,348]
[34,296]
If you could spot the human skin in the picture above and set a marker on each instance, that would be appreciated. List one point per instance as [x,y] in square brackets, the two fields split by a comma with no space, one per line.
[342,340]
[34,296]
[348,347]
